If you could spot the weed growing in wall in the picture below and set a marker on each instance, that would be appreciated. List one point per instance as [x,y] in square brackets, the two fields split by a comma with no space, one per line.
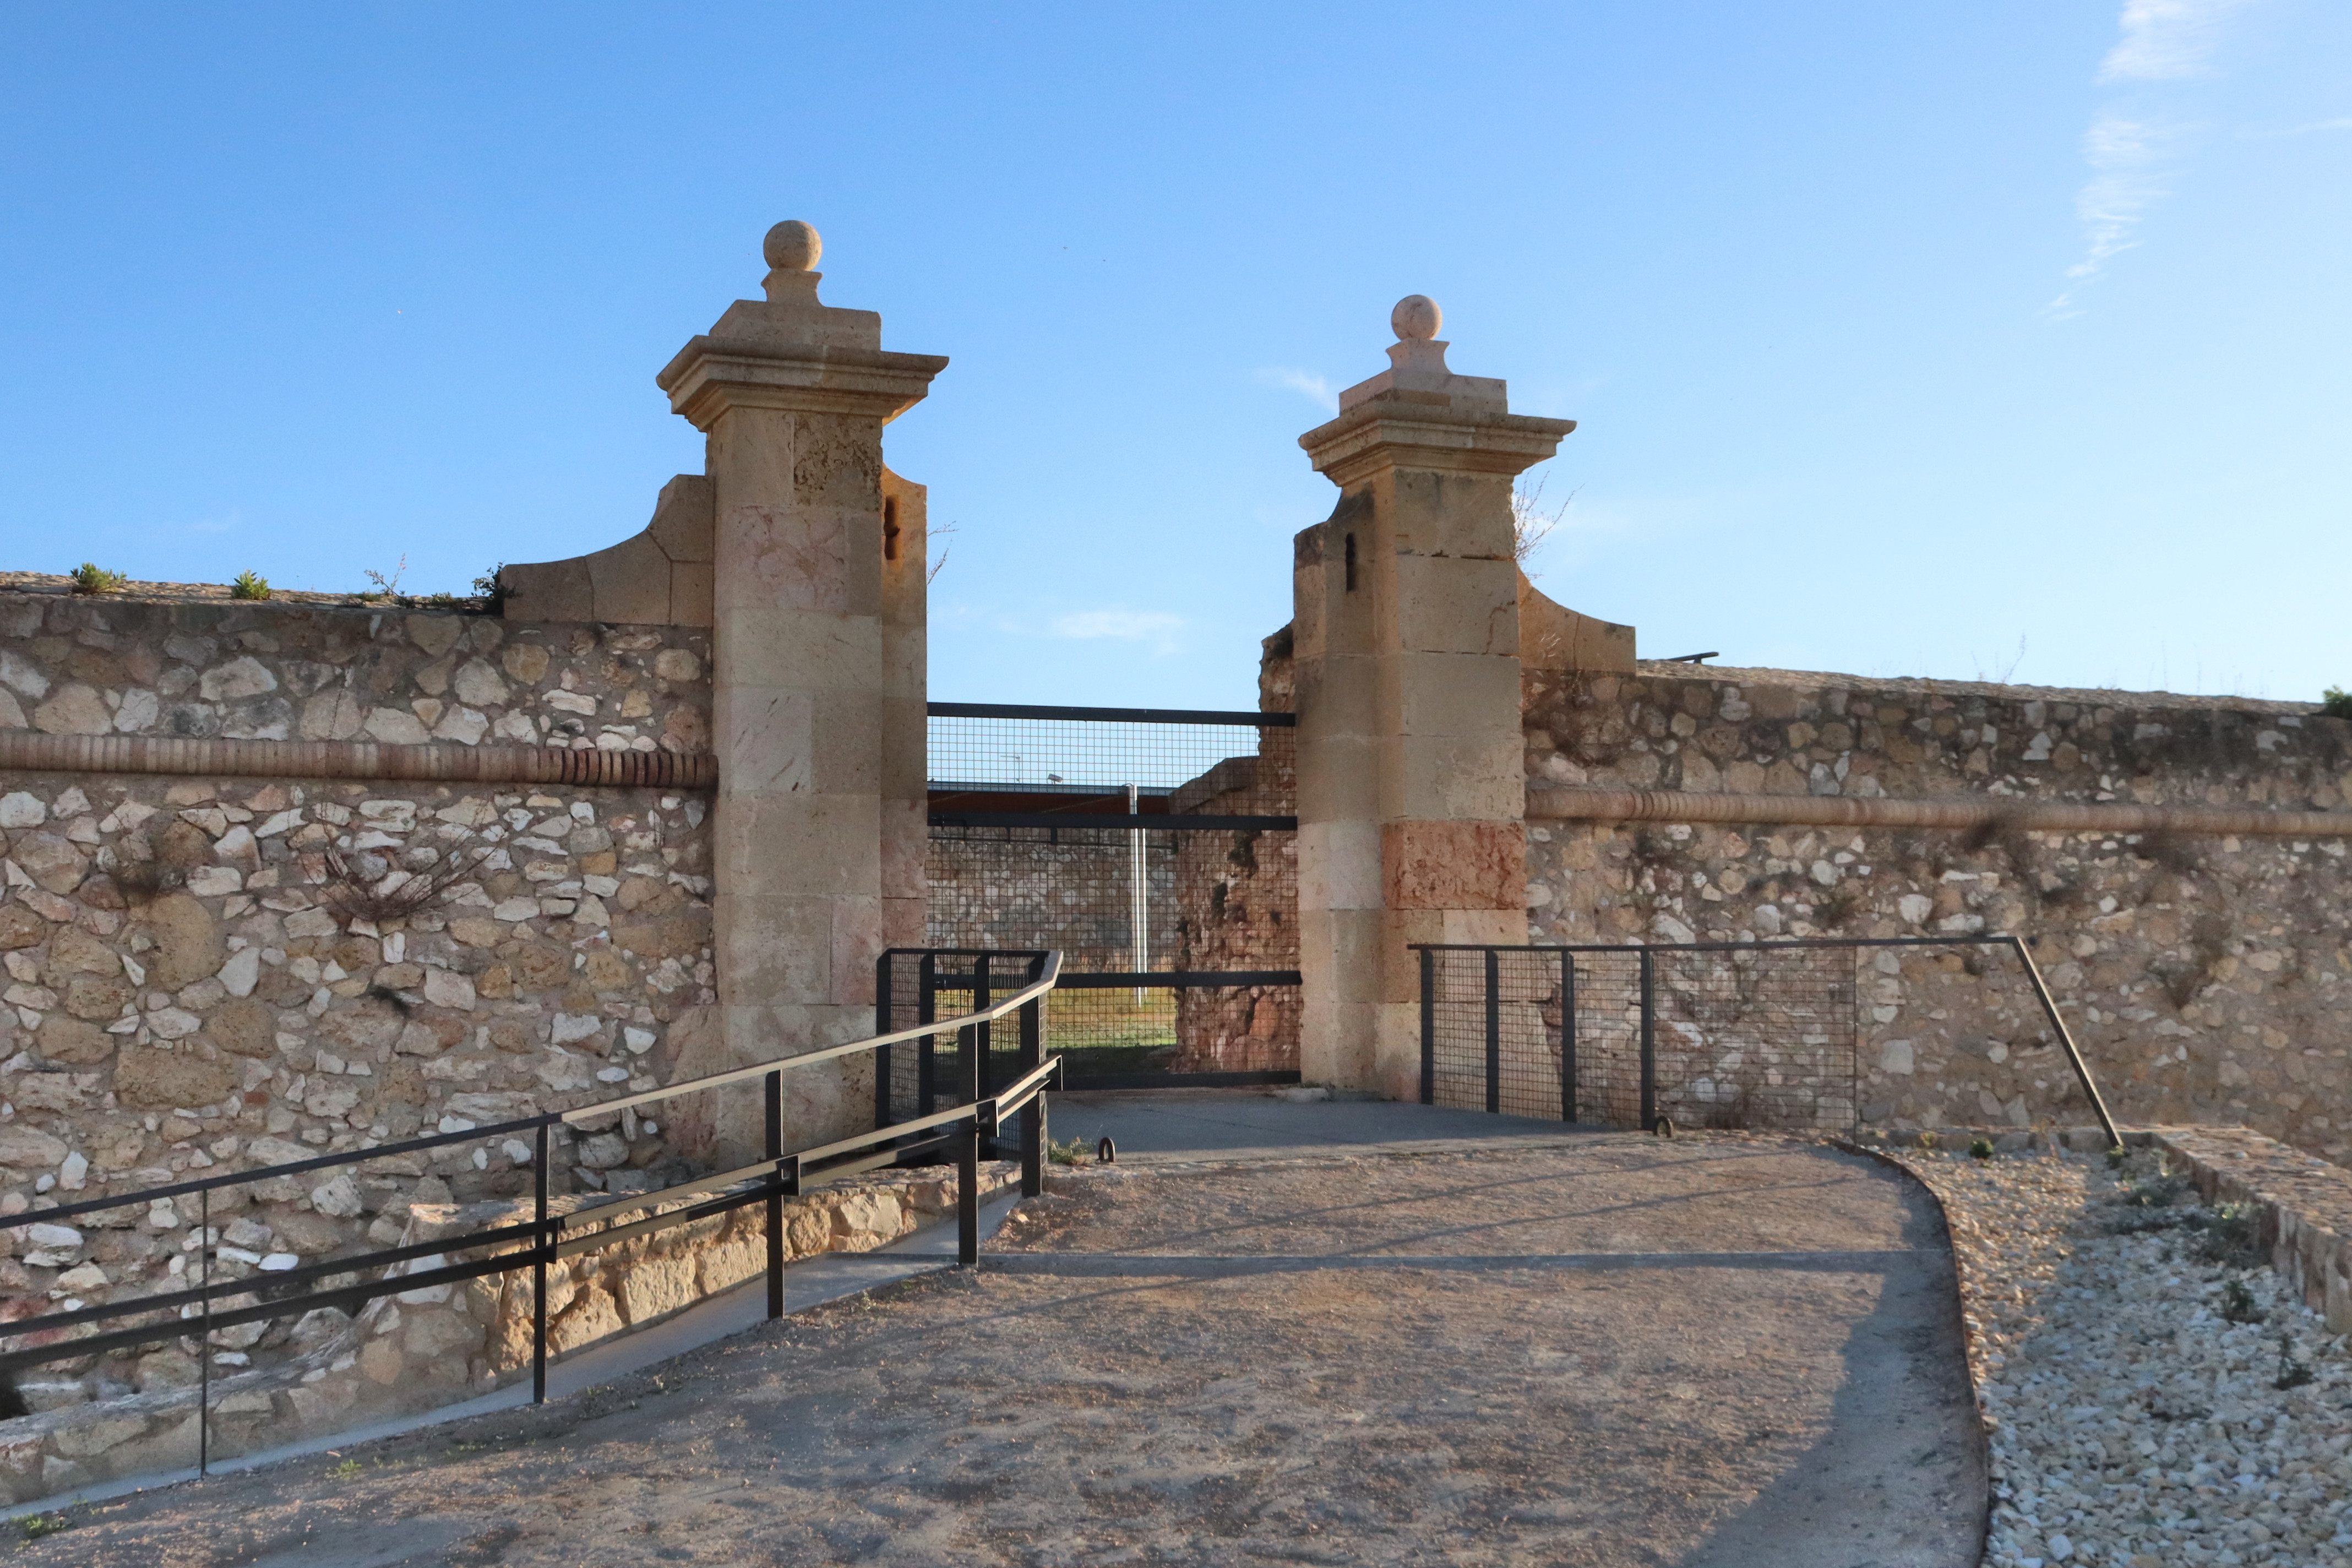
[2336,702]
[91,578]
[249,585]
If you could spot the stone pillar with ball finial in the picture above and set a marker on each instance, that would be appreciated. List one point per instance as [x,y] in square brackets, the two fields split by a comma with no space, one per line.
[1412,773]
[817,646]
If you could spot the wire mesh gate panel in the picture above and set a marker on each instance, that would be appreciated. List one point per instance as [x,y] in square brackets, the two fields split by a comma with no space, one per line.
[1725,1037]
[1723,1034]
[1155,848]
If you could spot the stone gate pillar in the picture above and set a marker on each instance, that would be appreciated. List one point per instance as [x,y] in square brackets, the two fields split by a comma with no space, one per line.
[1411,777]
[818,668]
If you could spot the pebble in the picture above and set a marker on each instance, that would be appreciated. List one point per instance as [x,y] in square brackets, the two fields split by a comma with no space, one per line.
[2131,1423]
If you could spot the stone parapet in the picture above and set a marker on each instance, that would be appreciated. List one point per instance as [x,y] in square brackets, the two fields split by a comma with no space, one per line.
[2305,1202]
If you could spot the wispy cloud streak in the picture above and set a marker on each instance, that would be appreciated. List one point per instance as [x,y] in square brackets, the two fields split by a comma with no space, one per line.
[1301,380]
[2134,150]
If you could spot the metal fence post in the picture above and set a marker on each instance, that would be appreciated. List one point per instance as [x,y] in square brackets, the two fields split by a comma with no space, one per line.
[539,1247]
[1568,1037]
[1428,1027]
[775,1119]
[980,1082]
[968,1148]
[204,1342]
[926,1052]
[1032,1121]
[882,1007]
[1649,1043]
[2066,1038]
[1494,1031]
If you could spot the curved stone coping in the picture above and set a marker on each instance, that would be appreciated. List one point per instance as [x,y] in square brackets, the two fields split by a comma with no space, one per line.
[1563,803]
[27,751]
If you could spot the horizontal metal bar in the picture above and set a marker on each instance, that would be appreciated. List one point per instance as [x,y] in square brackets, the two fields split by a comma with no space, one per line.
[636,1200]
[270,1172]
[1101,822]
[1011,1002]
[1176,979]
[1710,946]
[276,1279]
[1079,1083]
[1113,715]
[593,1240]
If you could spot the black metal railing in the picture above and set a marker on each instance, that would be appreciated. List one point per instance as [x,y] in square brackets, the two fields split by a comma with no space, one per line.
[976,1110]
[1763,1034]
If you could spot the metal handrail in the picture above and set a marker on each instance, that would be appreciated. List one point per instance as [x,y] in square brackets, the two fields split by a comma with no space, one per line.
[1986,939]
[774,1178]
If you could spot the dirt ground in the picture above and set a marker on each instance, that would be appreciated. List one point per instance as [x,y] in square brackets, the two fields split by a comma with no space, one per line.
[1711,1351]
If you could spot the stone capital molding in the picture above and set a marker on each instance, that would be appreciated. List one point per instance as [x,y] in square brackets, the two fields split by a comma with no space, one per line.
[708,377]
[1424,430]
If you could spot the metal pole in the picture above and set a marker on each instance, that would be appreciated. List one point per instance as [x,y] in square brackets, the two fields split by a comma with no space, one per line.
[1032,1121]
[979,1080]
[2066,1040]
[204,1343]
[1494,1031]
[882,1000]
[776,1195]
[1139,902]
[926,1011]
[1428,1027]
[968,1155]
[1649,1043]
[1568,1037]
[540,1249]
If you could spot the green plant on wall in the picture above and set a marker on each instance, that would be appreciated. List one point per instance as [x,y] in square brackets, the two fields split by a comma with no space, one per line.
[90,578]
[249,585]
[2336,702]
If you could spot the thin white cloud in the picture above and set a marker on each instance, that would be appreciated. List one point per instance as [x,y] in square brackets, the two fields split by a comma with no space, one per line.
[1301,381]
[1156,628]
[2165,41]
[2135,148]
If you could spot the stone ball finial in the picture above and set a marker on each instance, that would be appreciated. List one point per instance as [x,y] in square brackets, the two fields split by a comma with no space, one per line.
[1416,316]
[793,246]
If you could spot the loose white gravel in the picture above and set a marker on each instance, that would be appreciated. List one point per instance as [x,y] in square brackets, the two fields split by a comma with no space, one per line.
[2131,1424]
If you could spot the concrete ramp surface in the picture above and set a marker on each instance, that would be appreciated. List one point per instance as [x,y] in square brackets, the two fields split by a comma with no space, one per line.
[1605,1350]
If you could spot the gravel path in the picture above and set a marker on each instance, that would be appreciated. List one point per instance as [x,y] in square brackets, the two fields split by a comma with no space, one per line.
[1717,1350]
[2133,1421]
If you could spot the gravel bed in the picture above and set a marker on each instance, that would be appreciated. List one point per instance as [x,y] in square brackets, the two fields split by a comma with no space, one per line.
[2133,1421]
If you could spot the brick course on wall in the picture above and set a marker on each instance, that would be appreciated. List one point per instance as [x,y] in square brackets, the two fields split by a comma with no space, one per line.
[2206,976]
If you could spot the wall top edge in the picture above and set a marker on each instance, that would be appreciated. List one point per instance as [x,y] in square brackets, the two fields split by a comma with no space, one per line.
[216,595]
[1828,681]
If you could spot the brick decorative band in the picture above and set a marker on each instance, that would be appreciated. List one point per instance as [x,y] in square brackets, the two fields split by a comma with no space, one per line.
[25,751]
[1575,805]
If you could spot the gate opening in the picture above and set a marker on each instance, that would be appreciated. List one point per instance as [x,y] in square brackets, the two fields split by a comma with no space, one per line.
[1155,848]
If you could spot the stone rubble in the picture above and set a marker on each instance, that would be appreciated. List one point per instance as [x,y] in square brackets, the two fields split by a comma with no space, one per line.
[2132,1423]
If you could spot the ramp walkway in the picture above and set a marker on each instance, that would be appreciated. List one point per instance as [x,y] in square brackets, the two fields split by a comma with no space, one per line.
[1321,1333]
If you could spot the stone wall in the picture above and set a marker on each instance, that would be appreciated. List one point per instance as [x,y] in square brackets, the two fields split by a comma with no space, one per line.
[2206,977]
[184,994]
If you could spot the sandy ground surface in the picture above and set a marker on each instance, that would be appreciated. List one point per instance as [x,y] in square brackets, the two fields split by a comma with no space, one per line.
[1713,1351]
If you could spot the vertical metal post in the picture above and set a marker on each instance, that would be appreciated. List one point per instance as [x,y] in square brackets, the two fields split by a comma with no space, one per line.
[968,1152]
[979,1079]
[2066,1038]
[1494,1031]
[1568,1037]
[540,1247]
[1139,894]
[882,1007]
[926,1011]
[1428,1027]
[1649,1043]
[204,1342]
[776,1195]
[1032,1121]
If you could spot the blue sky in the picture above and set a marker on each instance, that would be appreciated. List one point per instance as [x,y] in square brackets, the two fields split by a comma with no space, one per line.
[1971,341]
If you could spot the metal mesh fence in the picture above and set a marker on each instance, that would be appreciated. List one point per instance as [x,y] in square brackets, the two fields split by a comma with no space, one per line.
[1721,1037]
